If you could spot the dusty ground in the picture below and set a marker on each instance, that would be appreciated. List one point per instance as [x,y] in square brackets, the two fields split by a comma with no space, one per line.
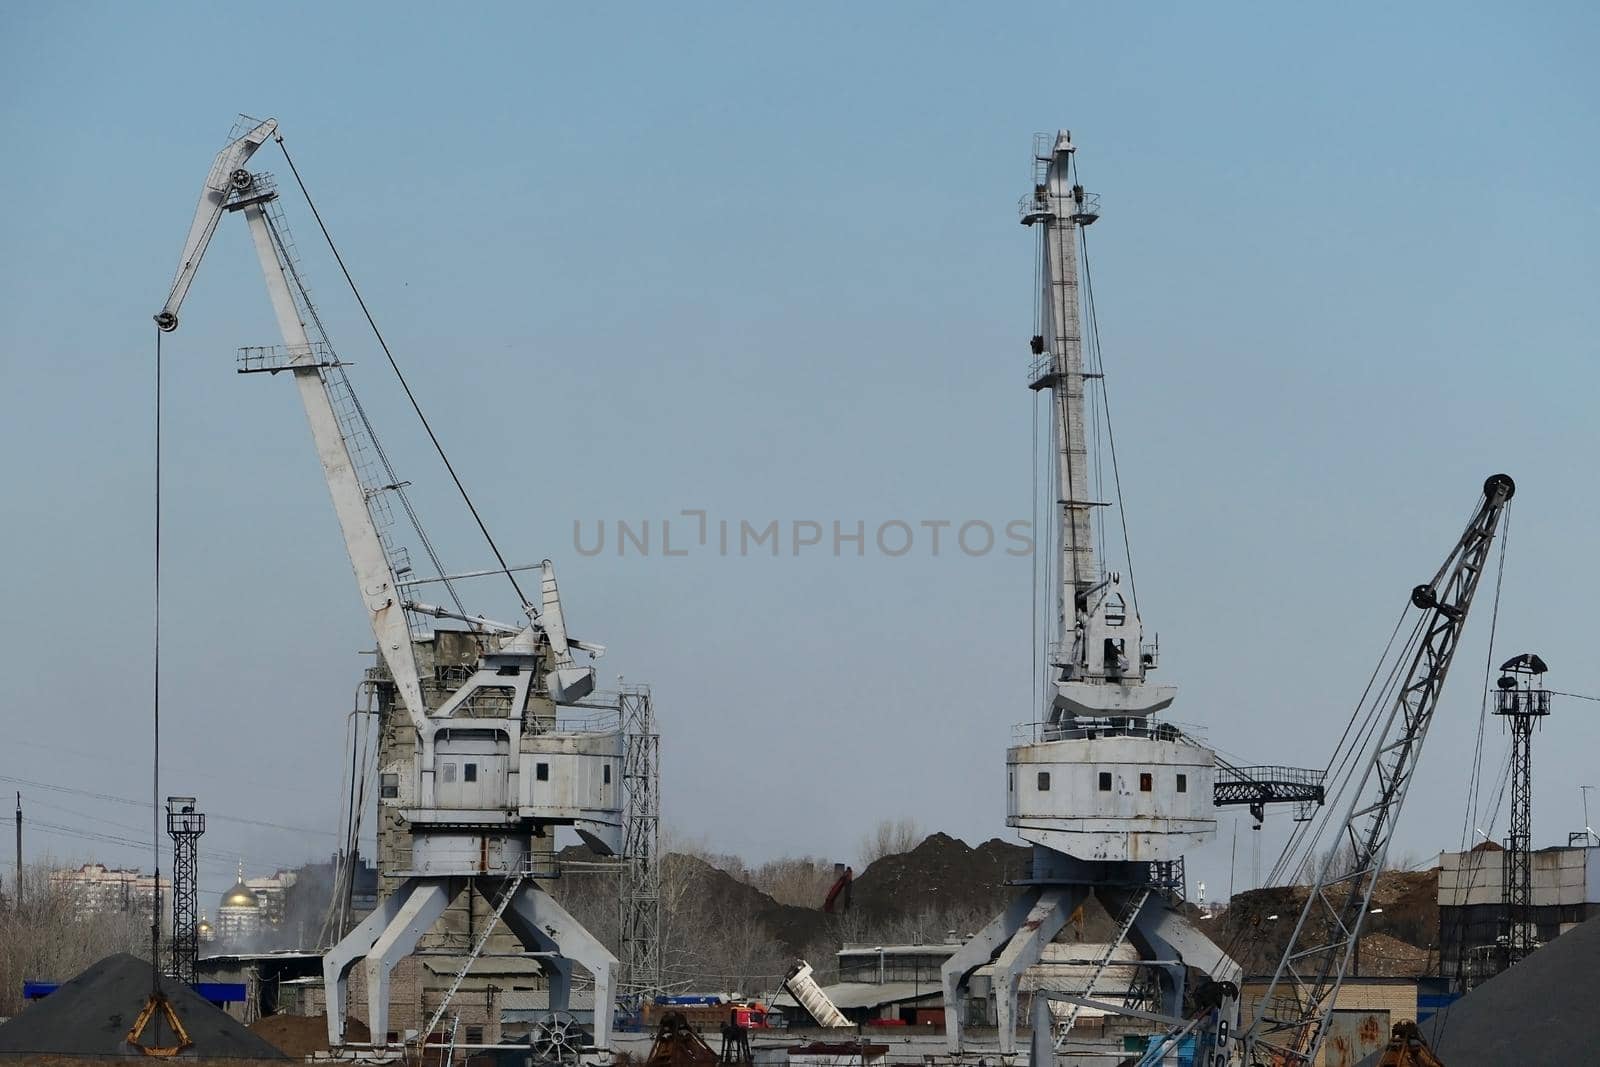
[298,1036]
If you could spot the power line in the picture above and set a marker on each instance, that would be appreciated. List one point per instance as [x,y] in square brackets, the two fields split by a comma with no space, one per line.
[112,798]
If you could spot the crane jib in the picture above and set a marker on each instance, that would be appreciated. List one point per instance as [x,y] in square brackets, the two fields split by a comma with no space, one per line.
[1300,997]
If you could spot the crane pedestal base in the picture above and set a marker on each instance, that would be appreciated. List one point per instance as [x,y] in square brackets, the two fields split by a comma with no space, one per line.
[1014,941]
[393,929]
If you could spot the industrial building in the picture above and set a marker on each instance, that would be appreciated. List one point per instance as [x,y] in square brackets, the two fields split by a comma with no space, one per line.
[1473,931]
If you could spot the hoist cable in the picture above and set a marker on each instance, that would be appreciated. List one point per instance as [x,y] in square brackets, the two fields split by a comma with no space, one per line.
[1111,437]
[155,702]
[281,243]
[1475,783]
[394,365]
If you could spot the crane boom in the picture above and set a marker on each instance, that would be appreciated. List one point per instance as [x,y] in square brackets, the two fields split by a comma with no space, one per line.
[1293,1013]
[214,197]
[230,187]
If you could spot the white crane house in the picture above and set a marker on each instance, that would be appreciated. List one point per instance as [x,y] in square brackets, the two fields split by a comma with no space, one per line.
[497,770]
[1109,797]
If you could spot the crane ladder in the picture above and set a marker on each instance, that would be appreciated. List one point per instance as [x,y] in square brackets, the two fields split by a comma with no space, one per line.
[507,891]
[1124,924]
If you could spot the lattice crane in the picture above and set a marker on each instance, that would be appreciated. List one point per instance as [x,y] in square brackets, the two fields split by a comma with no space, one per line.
[1293,1014]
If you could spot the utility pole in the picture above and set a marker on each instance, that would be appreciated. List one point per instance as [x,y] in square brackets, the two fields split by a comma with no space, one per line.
[18,902]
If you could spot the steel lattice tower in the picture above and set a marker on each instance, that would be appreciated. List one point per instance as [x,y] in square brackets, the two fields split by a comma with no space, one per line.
[1523,700]
[640,895]
[184,826]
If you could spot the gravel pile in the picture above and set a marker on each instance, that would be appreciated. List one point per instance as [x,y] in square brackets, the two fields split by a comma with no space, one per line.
[92,1014]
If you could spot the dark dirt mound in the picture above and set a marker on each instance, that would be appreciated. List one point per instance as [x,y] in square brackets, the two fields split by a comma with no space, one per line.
[298,1036]
[797,928]
[92,1014]
[1256,940]
[942,874]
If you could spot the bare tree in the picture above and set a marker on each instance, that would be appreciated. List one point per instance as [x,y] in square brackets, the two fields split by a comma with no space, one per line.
[890,837]
[49,937]
[802,881]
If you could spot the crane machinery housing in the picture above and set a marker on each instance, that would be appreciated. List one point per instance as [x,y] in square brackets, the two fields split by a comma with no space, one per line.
[498,766]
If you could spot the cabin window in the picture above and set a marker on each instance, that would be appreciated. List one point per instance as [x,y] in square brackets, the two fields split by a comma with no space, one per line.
[1183,783]
[469,772]
[1105,781]
[1044,781]
[541,771]
[1146,782]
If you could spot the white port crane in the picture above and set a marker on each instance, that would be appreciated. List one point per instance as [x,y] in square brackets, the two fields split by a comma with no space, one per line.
[493,770]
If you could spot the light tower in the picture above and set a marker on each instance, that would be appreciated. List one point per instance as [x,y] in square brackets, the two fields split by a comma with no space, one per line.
[184,826]
[1522,699]
[1109,798]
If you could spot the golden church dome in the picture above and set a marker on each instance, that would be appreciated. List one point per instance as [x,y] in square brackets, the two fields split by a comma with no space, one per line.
[241,895]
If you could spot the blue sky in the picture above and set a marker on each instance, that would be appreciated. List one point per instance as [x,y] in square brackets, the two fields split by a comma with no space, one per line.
[763,261]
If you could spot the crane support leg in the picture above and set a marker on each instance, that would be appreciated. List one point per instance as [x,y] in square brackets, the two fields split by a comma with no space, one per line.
[422,902]
[978,950]
[1162,933]
[338,961]
[1045,919]
[543,925]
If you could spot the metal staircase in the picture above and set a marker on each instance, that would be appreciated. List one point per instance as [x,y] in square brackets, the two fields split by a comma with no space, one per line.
[508,889]
[1125,921]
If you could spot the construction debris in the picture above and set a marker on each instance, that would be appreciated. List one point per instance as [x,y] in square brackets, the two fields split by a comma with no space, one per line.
[94,1013]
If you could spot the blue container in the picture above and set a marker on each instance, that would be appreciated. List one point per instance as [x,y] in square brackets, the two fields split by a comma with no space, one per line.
[1184,1049]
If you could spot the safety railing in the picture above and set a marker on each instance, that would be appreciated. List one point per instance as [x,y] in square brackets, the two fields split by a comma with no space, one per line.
[270,359]
[1025,733]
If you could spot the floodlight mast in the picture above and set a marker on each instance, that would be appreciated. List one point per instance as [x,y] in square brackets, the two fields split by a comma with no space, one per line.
[1293,1015]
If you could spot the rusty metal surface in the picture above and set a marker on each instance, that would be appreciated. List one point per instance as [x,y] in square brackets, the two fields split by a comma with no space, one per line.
[1353,1036]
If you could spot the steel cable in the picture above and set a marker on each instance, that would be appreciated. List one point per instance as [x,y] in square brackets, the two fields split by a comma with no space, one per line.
[416,406]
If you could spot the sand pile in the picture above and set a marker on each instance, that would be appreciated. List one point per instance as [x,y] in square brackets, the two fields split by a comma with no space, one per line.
[92,1014]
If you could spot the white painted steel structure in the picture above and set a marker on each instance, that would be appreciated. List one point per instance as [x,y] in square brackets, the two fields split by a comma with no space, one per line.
[1104,793]
[495,766]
